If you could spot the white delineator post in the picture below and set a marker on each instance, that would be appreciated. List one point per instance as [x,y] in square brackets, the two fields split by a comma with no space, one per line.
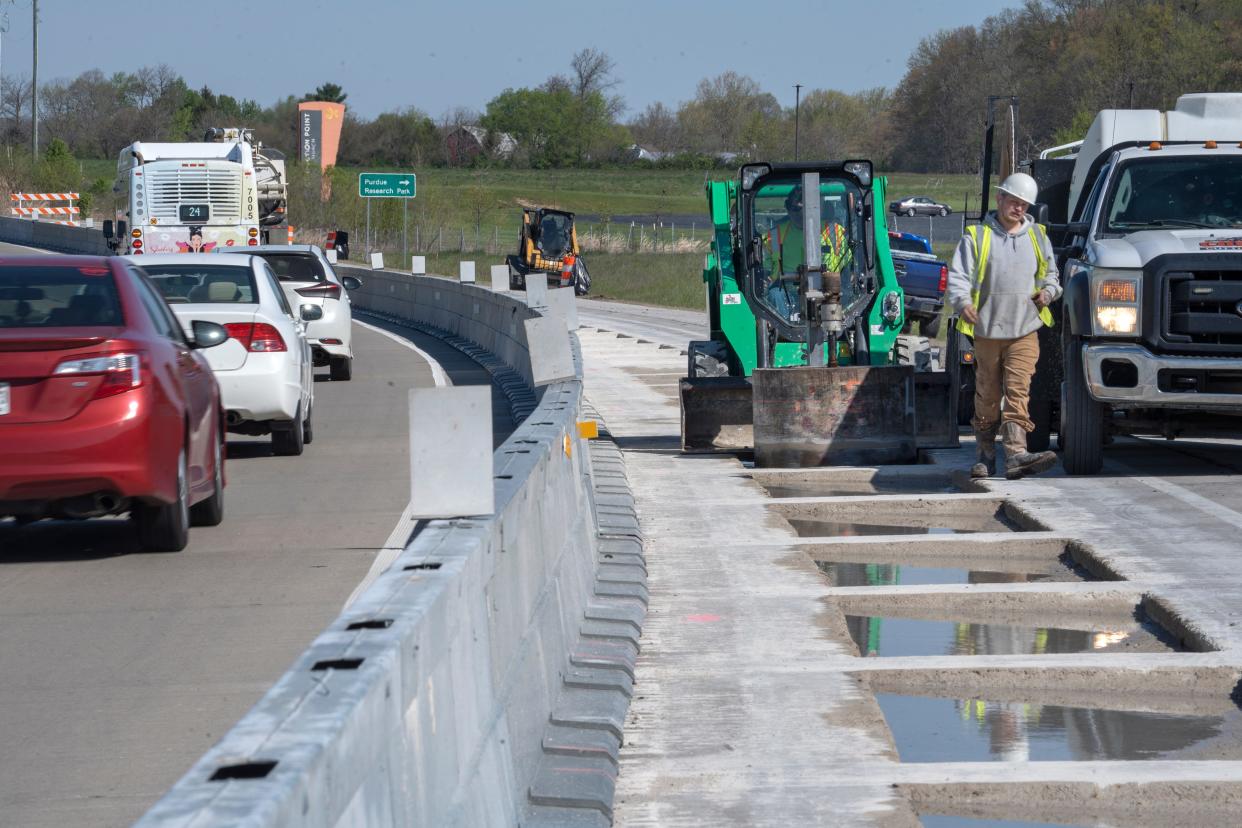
[418,265]
[451,451]
[500,278]
[377,261]
[465,272]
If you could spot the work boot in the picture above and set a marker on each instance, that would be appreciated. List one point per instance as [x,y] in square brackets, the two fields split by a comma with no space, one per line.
[985,455]
[1018,461]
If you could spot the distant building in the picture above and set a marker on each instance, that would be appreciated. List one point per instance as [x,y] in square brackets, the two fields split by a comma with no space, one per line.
[465,143]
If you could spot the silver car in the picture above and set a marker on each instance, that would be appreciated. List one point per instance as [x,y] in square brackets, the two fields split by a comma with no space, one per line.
[308,278]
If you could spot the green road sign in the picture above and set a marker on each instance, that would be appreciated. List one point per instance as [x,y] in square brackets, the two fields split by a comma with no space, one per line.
[387,185]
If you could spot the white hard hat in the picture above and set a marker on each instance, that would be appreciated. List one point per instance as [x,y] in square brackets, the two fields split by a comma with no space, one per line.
[1020,185]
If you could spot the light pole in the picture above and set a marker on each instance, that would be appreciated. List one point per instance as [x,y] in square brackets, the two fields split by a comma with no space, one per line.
[34,86]
[797,113]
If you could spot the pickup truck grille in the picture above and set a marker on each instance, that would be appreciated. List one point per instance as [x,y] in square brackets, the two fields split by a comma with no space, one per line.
[1203,308]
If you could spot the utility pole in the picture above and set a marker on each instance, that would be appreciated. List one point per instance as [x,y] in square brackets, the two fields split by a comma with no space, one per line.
[797,114]
[34,87]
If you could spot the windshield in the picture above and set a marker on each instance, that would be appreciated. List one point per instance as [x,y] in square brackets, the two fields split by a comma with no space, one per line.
[204,284]
[554,230]
[1176,192]
[778,227]
[58,297]
[899,245]
[295,267]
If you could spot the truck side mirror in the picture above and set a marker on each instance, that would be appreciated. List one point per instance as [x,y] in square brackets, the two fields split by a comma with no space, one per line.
[1040,213]
[108,232]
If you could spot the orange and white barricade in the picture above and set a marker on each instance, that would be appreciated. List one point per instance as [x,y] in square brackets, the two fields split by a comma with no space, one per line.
[36,207]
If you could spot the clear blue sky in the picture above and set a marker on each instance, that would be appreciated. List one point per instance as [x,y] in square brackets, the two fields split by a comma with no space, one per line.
[390,54]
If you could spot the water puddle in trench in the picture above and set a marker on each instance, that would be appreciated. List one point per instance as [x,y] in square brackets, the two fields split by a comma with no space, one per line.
[895,637]
[872,574]
[834,528]
[933,821]
[846,488]
[977,730]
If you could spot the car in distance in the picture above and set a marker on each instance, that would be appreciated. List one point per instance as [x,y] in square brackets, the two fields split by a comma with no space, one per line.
[919,206]
[307,277]
[264,370]
[106,405]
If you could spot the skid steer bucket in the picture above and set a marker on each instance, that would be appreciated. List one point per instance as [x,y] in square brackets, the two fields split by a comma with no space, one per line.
[716,414]
[846,415]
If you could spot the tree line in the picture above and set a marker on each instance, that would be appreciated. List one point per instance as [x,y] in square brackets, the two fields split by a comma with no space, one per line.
[1063,59]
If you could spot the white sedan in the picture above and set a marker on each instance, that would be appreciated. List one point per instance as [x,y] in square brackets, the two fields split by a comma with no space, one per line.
[264,369]
[308,277]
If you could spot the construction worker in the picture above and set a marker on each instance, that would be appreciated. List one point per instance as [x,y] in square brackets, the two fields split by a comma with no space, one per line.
[783,250]
[1001,281]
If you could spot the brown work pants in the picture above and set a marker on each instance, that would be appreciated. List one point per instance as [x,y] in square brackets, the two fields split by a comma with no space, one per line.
[1004,366]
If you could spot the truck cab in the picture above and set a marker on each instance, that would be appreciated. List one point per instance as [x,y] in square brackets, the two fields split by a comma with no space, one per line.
[1153,278]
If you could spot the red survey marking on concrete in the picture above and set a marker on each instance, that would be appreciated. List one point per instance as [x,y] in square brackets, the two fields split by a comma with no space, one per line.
[702,619]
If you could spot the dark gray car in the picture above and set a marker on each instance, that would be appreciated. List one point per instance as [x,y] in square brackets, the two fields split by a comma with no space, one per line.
[919,206]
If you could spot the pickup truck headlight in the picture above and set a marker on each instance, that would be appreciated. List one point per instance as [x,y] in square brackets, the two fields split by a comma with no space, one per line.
[1116,301]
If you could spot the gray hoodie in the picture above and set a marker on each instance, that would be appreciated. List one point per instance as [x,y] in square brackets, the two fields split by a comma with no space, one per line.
[1005,307]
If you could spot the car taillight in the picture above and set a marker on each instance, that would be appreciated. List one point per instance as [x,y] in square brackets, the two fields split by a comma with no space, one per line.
[327,290]
[258,337]
[944,278]
[121,372]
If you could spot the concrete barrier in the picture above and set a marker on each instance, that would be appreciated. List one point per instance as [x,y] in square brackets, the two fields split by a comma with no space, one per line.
[56,237]
[484,678]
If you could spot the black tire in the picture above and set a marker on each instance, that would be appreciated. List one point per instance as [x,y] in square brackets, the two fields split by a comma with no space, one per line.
[929,326]
[308,428]
[165,527]
[210,512]
[966,395]
[1041,415]
[341,369]
[1082,418]
[289,442]
[582,278]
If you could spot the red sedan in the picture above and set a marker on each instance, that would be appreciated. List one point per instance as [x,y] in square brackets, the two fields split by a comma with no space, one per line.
[105,405]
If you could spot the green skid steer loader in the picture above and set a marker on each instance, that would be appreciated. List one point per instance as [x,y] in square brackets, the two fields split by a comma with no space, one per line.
[806,364]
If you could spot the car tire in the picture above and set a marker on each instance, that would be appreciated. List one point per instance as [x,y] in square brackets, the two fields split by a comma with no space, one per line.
[929,326]
[165,527]
[341,369]
[910,212]
[289,442]
[943,212]
[1082,418]
[308,428]
[210,512]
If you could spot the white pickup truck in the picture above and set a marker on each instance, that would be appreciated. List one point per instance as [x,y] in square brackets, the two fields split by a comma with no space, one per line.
[1152,254]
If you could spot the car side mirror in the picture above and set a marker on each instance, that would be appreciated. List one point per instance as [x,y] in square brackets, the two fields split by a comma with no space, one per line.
[310,313]
[351,282]
[108,231]
[1040,213]
[207,334]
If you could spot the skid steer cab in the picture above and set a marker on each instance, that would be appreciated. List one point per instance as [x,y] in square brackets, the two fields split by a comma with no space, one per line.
[806,364]
[548,248]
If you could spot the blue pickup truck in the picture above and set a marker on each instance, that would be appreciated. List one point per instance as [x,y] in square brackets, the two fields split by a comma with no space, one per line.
[923,278]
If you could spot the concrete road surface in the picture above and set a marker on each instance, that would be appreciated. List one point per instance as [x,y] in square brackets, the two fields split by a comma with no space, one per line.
[118,669]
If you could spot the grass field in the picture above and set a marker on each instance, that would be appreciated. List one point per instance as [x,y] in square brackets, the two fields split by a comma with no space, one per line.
[474,215]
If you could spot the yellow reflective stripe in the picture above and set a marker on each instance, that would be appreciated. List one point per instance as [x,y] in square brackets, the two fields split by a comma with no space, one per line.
[1041,272]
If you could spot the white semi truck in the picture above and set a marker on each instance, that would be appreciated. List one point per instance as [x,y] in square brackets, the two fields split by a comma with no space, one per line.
[1147,214]
[224,191]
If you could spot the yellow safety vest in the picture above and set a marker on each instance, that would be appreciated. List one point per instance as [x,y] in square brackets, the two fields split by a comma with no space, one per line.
[982,248]
[832,239]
